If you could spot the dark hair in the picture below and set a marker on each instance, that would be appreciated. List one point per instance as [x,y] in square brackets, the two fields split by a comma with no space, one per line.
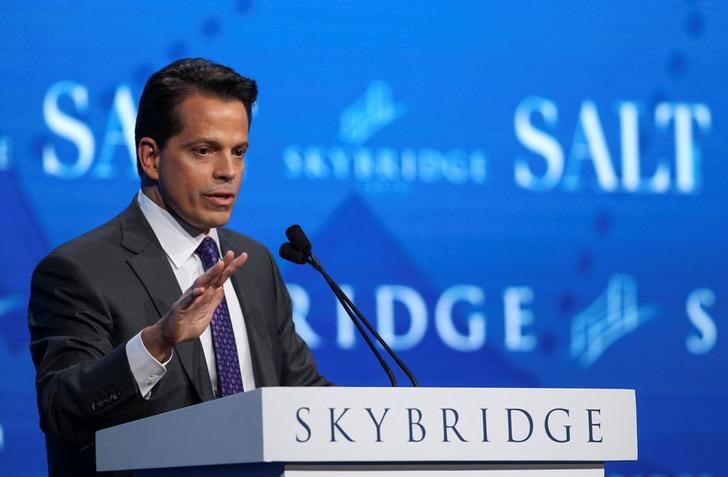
[158,116]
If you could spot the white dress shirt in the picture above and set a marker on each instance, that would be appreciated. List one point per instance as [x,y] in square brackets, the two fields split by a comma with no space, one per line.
[180,249]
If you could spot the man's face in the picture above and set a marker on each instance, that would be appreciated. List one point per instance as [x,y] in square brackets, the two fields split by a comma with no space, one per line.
[201,168]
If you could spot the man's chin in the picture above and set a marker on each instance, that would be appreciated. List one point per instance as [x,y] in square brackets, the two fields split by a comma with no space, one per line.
[216,221]
[198,225]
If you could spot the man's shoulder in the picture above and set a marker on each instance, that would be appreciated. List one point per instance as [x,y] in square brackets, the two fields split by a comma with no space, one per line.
[104,240]
[95,254]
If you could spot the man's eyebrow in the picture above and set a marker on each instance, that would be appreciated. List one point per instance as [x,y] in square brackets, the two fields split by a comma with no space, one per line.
[203,140]
[213,142]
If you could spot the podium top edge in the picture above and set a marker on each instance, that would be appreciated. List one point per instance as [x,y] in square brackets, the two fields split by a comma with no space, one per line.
[451,388]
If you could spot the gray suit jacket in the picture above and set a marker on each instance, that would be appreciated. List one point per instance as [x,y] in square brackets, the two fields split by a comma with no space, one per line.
[90,295]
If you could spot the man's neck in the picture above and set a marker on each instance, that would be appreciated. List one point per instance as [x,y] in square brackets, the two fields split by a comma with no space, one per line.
[152,192]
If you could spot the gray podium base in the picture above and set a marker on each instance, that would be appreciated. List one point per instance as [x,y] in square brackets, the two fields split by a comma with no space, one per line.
[380,470]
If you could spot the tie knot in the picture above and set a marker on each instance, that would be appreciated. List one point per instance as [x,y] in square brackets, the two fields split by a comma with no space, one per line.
[207,250]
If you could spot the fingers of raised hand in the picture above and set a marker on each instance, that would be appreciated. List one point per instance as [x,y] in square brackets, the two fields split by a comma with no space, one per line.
[216,275]
[191,314]
[189,296]
[204,302]
[232,266]
[210,277]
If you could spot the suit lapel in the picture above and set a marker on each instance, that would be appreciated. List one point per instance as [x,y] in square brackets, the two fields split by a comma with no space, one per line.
[261,352]
[152,267]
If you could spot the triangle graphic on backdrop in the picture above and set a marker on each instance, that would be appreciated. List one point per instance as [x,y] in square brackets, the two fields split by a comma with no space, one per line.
[357,249]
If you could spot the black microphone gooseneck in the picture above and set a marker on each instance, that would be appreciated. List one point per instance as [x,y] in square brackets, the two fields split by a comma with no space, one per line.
[298,250]
[289,252]
[347,305]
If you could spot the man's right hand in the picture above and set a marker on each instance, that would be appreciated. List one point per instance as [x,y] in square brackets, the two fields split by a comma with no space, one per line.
[191,313]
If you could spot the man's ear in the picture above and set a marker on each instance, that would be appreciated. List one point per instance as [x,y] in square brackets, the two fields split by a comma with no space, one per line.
[148,154]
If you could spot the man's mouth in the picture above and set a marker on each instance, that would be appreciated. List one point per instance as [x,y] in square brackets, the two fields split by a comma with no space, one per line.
[225,199]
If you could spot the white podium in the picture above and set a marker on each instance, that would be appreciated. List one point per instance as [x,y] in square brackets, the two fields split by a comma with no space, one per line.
[363,432]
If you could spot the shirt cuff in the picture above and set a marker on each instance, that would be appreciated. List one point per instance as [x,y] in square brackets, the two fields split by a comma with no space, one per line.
[147,371]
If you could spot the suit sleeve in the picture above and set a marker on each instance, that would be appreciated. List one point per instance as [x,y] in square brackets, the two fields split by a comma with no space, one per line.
[83,379]
[298,367]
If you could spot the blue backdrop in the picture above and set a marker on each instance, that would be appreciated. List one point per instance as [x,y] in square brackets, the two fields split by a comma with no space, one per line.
[524,193]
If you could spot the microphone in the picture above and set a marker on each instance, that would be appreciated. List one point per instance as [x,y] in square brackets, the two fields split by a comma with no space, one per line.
[297,238]
[291,254]
[298,250]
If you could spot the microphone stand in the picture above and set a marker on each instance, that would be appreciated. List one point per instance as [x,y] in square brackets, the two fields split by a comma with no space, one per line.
[357,318]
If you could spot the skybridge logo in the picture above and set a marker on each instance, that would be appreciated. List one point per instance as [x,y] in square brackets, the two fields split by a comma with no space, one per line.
[372,112]
[614,315]
[381,167]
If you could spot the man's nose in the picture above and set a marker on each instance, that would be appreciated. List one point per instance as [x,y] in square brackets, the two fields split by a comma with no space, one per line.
[226,167]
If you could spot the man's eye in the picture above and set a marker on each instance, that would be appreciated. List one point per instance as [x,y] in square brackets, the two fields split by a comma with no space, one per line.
[239,152]
[203,151]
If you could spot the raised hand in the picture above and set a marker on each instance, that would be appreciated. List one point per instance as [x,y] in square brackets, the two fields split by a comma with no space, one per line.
[190,315]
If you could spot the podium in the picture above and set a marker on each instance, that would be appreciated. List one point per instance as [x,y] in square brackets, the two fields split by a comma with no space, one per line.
[377,432]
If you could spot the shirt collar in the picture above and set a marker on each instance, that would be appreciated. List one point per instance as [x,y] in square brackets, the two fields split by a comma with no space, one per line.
[176,242]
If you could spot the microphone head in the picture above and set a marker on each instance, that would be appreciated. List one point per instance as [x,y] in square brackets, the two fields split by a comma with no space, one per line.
[298,239]
[287,252]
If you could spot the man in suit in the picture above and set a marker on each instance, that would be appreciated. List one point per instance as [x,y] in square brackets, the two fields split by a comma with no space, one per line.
[144,314]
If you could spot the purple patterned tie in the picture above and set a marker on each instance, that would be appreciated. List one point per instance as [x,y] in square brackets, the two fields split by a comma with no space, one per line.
[223,339]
